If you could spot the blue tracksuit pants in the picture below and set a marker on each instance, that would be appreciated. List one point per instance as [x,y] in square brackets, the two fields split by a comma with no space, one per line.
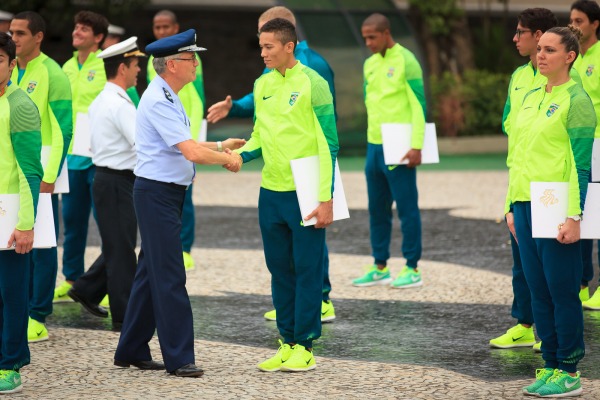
[521,307]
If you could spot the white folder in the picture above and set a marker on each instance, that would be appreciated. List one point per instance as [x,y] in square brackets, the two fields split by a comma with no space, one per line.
[44,235]
[82,139]
[62,181]
[396,139]
[596,161]
[203,131]
[306,177]
[590,224]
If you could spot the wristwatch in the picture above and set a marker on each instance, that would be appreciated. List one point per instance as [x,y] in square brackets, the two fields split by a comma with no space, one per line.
[575,217]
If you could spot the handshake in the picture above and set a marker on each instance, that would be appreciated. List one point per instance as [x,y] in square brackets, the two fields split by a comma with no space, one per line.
[235,163]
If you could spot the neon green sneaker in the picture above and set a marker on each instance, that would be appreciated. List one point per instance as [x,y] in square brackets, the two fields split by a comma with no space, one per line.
[36,331]
[594,302]
[561,384]
[408,278]
[541,377]
[327,311]
[105,302]
[538,347]
[60,293]
[271,315]
[188,261]
[517,336]
[584,294]
[300,360]
[274,363]
[373,276]
[10,381]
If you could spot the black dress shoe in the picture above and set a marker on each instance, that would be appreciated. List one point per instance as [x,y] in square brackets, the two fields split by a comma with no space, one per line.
[147,365]
[92,308]
[188,371]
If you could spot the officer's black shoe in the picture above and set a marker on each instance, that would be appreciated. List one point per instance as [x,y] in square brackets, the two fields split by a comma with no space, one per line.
[146,365]
[92,308]
[188,371]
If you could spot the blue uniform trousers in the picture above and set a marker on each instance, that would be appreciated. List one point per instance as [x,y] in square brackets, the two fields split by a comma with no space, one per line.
[76,207]
[553,271]
[521,306]
[587,248]
[384,186]
[188,221]
[44,266]
[294,257]
[14,309]
[159,299]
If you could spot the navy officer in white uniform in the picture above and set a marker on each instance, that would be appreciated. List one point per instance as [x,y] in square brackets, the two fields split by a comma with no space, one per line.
[166,155]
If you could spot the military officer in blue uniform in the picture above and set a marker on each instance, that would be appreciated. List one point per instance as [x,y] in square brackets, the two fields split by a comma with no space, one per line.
[166,155]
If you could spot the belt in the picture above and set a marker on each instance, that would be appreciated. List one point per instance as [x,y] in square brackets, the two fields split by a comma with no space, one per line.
[123,172]
[168,184]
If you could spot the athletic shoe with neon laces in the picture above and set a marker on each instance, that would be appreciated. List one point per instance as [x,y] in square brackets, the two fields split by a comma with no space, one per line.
[36,331]
[300,360]
[188,261]
[594,302]
[327,312]
[517,336]
[274,363]
[408,278]
[537,347]
[105,302]
[373,276]
[584,294]
[60,293]
[541,377]
[561,384]
[10,381]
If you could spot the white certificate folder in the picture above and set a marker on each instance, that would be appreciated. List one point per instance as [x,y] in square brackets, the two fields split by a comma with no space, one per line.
[396,139]
[62,181]
[82,139]
[549,207]
[306,177]
[44,234]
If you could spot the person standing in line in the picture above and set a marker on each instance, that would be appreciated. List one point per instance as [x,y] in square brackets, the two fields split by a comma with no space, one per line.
[86,75]
[294,118]
[5,18]
[393,94]
[21,173]
[192,97]
[112,124]
[555,130]
[47,85]
[244,108]
[585,15]
[115,35]
[166,154]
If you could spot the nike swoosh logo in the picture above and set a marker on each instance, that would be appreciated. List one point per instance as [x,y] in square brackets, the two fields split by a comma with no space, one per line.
[520,337]
[519,88]
[310,359]
[18,381]
[323,313]
[527,108]
[414,278]
[267,97]
[39,333]
[569,385]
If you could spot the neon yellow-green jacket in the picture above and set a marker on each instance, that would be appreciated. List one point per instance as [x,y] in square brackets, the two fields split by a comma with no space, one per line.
[191,96]
[86,84]
[588,66]
[20,147]
[394,93]
[293,118]
[555,133]
[49,88]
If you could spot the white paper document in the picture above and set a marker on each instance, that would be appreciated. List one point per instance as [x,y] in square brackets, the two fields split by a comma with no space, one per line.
[549,207]
[82,139]
[596,161]
[306,178]
[44,235]
[62,182]
[203,131]
[396,139]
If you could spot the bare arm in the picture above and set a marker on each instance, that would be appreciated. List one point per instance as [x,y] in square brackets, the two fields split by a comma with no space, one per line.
[200,154]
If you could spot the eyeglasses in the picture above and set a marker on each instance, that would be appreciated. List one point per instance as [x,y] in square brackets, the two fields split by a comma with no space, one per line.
[193,60]
[519,32]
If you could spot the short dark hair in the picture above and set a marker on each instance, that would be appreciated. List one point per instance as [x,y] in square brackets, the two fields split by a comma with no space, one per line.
[589,8]
[35,22]
[97,22]
[8,46]
[283,29]
[537,19]
[112,66]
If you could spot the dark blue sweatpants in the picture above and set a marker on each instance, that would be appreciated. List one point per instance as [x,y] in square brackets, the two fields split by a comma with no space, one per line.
[521,307]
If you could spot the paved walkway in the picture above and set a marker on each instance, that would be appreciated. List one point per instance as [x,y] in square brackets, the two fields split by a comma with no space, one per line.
[77,363]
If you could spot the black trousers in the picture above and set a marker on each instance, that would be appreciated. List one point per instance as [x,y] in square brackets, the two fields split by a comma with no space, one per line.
[114,270]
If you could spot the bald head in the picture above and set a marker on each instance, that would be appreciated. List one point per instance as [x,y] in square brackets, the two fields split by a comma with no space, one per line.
[165,24]
[276,12]
[377,21]
[166,14]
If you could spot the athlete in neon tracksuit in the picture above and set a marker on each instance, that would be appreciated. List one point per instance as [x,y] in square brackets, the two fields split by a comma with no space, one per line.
[586,16]
[393,94]
[48,86]
[20,173]
[555,130]
[294,118]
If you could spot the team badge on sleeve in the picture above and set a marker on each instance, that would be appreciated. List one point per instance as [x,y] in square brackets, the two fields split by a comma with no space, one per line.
[590,70]
[553,107]
[294,97]
[390,72]
[91,75]
[31,87]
